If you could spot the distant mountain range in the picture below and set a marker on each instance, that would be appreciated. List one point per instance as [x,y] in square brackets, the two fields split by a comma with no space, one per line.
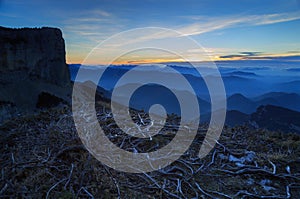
[293,69]
[269,117]
[245,105]
[289,86]
[251,98]
[240,73]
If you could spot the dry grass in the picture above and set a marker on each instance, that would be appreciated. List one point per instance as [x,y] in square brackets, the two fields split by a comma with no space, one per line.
[42,157]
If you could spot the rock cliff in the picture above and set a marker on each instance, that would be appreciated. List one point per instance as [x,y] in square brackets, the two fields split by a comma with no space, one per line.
[32,63]
[41,52]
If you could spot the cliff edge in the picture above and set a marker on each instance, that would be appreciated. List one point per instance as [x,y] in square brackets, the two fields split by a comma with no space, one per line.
[32,68]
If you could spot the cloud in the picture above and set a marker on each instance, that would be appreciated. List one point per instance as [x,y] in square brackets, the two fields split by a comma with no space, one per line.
[242,55]
[232,56]
[203,26]
[99,21]
[294,52]
[93,25]
[100,13]
[208,24]
[250,53]
[277,18]
[85,29]
[96,25]
[259,55]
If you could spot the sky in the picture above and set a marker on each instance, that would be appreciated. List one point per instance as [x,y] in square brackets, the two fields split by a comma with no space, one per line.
[228,30]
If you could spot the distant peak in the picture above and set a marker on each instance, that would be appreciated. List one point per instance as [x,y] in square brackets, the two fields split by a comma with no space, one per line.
[238,95]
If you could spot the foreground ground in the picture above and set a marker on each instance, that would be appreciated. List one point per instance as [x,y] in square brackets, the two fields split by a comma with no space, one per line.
[42,156]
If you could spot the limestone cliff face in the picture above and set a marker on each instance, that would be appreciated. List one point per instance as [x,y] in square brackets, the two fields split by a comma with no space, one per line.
[32,61]
[41,52]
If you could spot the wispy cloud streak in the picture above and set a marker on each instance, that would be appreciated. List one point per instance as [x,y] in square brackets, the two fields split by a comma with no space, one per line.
[204,26]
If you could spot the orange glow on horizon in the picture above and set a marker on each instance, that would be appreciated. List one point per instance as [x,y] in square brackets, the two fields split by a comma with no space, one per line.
[79,59]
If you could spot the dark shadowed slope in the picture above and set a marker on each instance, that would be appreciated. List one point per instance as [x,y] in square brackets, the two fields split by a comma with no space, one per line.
[277,119]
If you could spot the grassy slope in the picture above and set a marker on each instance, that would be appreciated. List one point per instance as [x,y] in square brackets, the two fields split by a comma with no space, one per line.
[42,156]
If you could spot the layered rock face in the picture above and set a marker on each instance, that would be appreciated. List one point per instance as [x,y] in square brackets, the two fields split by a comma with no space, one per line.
[32,62]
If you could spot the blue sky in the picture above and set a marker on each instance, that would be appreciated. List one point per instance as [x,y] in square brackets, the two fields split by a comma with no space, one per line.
[224,28]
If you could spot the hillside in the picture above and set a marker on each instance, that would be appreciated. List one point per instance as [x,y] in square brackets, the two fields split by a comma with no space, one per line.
[48,160]
[277,119]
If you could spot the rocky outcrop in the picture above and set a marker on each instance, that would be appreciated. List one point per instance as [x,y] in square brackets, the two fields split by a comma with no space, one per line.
[32,61]
[41,52]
